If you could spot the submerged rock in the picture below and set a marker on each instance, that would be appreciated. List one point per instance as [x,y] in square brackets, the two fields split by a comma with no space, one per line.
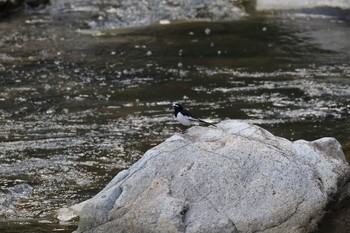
[12,196]
[233,178]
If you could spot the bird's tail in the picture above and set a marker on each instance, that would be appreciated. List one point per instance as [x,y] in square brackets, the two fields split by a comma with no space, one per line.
[207,123]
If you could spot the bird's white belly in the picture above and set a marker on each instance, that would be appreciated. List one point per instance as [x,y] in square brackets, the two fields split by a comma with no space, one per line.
[185,120]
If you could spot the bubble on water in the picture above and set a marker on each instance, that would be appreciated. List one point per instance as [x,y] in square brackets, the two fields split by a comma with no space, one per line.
[207,31]
[164,22]
[21,99]
[47,87]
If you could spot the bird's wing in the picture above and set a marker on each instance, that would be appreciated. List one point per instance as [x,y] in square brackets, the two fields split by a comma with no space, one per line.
[185,112]
[193,119]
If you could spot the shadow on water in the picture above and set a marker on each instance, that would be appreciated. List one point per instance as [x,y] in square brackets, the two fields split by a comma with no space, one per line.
[79,105]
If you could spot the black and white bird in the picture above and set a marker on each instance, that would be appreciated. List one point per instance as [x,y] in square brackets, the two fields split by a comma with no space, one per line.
[185,117]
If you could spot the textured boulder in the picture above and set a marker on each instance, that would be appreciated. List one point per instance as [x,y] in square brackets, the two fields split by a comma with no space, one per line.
[296,4]
[233,178]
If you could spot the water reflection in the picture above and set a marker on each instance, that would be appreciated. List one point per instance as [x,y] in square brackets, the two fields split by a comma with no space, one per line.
[78,106]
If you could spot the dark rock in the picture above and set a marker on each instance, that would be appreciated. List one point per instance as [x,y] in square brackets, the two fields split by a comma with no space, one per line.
[10,5]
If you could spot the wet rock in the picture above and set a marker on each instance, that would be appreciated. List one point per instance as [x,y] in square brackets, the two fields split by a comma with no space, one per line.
[337,218]
[141,13]
[11,196]
[233,178]
[69,214]
[36,3]
[7,5]
[296,4]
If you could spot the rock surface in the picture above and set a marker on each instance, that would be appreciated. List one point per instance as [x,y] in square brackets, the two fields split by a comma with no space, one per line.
[233,178]
[295,4]
[112,14]
[12,196]
[130,13]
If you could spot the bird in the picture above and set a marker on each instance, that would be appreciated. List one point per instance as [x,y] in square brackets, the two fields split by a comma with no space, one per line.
[186,118]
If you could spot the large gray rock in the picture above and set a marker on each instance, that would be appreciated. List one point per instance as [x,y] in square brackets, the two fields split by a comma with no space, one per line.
[296,4]
[233,178]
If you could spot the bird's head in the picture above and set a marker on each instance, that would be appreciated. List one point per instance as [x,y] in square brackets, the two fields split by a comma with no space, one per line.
[177,107]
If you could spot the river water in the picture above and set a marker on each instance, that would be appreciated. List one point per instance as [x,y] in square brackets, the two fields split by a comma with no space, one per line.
[79,102]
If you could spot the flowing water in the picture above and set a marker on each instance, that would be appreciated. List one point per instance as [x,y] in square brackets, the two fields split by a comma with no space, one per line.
[79,103]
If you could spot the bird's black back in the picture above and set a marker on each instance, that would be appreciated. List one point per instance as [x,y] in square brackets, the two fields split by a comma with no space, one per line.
[178,108]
